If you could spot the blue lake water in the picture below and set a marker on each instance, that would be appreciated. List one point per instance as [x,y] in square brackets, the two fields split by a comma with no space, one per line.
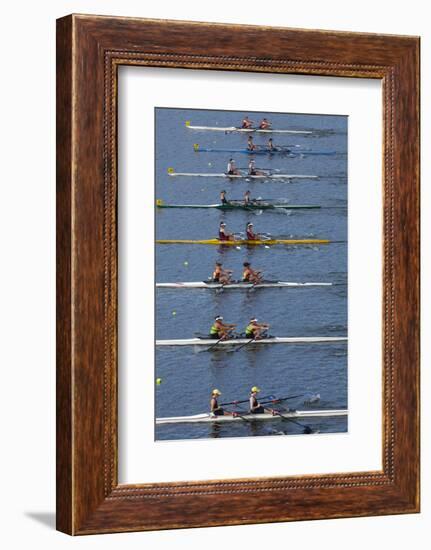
[189,374]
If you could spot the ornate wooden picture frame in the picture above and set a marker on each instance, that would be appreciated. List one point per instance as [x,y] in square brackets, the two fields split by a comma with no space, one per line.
[89,51]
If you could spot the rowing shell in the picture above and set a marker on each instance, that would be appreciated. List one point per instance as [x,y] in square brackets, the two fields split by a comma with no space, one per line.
[241,285]
[243,176]
[278,150]
[243,242]
[239,341]
[228,129]
[233,206]
[207,417]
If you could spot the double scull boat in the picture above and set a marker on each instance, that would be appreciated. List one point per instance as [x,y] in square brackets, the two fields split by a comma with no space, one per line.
[207,417]
[244,242]
[230,129]
[289,151]
[238,284]
[239,205]
[267,176]
[240,341]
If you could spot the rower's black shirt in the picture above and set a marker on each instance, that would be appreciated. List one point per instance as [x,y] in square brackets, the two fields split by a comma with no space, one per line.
[253,402]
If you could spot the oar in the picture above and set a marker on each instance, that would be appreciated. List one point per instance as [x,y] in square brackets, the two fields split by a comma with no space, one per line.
[214,345]
[258,282]
[271,399]
[260,172]
[218,341]
[278,399]
[265,237]
[244,401]
[249,342]
[247,412]
[241,416]
[235,414]
[241,346]
[259,168]
[306,428]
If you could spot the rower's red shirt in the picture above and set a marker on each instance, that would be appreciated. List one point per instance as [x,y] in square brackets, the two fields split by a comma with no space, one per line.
[222,236]
[251,236]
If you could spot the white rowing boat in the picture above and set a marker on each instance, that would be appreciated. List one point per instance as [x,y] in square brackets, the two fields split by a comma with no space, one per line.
[207,417]
[229,129]
[239,341]
[242,176]
[241,285]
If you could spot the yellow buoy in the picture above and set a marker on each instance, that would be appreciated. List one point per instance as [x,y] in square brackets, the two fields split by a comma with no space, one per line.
[158,381]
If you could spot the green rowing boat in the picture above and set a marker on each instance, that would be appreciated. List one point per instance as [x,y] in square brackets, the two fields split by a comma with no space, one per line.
[239,205]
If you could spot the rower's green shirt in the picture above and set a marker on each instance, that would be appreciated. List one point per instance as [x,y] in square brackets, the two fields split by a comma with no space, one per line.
[249,330]
[214,329]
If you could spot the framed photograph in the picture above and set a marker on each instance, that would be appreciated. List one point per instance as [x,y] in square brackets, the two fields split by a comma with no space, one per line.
[260,239]
[237,274]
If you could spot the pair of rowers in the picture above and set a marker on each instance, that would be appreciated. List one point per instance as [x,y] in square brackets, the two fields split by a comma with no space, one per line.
[246,201]
[223,276]
[247,124]
[222,331]
[223,235]
[270,146]
[254,407]
[232,169]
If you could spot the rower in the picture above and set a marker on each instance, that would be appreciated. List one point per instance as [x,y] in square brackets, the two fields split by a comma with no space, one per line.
[247,199]
[250,145]
[249,275]
[222,235]
[264,124]
[271,147]
[232,170]
[221,275]
[214,406]
[251,235]
[252,170]
[246,123]
[254,329]
[223,198]
[255,406]
[220,330]
[215,409]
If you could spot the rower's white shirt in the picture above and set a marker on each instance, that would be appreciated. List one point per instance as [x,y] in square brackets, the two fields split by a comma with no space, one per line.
[231,166]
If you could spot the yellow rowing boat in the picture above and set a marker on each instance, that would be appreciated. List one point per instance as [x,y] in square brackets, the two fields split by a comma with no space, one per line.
[243,242]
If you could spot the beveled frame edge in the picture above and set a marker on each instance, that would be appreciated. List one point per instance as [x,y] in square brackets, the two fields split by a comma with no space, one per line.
[89,500]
